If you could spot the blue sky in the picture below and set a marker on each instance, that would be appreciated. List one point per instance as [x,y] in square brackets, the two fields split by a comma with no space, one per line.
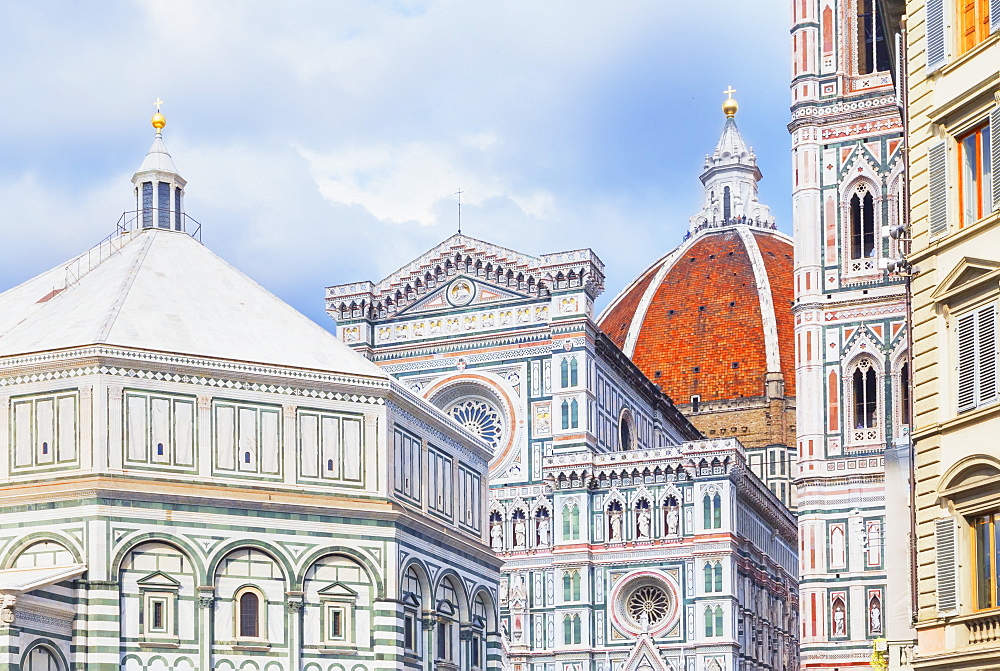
[323,141]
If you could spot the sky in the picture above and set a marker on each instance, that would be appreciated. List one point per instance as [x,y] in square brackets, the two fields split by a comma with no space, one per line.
[323,141]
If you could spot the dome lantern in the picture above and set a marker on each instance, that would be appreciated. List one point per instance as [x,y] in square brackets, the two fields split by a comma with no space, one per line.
[159,189]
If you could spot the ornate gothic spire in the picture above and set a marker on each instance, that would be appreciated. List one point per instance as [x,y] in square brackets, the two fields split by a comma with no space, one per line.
[159,190]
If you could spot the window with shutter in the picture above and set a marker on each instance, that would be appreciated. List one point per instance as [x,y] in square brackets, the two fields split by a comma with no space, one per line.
[936,55]
[937,158]
[994,19]
[994,150]
[977,359]
[967,362]
[947,592]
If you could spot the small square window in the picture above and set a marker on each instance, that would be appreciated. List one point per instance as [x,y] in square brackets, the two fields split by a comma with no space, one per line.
[337,624]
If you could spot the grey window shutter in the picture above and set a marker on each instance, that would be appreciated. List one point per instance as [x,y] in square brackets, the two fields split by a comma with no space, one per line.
[995,136]
[986,354]
[937,159]
[947,585]
[967,362]
[935,34]
[994,18]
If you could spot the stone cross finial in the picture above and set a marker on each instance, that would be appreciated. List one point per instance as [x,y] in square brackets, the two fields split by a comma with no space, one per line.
[730,91]
[157,102]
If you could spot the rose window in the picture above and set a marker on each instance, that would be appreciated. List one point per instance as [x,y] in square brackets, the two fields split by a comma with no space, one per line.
[480,418]
[648,604]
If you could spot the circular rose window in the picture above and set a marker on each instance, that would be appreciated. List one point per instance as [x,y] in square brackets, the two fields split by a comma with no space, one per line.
[648,605]
[480,418]
[645,601]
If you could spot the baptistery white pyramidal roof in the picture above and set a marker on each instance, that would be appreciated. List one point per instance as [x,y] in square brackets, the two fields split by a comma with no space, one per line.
[162,290]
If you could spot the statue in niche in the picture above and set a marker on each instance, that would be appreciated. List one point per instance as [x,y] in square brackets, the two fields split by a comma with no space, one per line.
[673,517]
[839,619]
[644,523]
[875,617]
[520,534]
[496,536]
[544,531]
[615,525]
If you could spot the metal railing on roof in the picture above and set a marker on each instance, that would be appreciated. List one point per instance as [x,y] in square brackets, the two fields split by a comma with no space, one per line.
[126,228]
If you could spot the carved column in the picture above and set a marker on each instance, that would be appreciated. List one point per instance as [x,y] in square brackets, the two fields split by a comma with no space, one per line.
[293,626]
[206,615]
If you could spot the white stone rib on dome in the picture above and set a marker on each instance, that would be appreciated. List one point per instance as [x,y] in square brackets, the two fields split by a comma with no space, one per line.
[165,291]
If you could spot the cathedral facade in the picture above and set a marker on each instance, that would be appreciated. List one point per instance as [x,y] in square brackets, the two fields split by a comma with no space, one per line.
[196,476]
[851,343]
[629,539]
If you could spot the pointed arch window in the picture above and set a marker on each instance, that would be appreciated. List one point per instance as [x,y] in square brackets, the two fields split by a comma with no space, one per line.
[862,216]
[570,414]
[713,511]
[572,585]
[571,522]
[572,629]
[873,52]
[727,207]
[864,387]
[713,621]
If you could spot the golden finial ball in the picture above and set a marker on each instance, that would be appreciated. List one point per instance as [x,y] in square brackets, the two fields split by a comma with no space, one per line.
[729,107]
[158,121]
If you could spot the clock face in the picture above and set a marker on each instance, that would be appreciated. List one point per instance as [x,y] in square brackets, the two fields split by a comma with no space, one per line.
[461,292]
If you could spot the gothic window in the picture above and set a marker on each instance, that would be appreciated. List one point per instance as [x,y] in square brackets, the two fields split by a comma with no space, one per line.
[714,621]
[862,216]
[872,50]
[727,209]
[713,577]
[717,570]
[572,585]
[569,372]
[572,629]
[571,522]
[570,414]
[712,505]
[864,387]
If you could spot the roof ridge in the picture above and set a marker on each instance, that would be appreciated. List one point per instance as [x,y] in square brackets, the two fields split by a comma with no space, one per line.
[130,276]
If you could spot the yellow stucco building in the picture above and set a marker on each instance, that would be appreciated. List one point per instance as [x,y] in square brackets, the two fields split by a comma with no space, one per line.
[950,88]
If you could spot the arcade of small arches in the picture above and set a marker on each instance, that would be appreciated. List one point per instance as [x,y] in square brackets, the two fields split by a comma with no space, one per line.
[251,595]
